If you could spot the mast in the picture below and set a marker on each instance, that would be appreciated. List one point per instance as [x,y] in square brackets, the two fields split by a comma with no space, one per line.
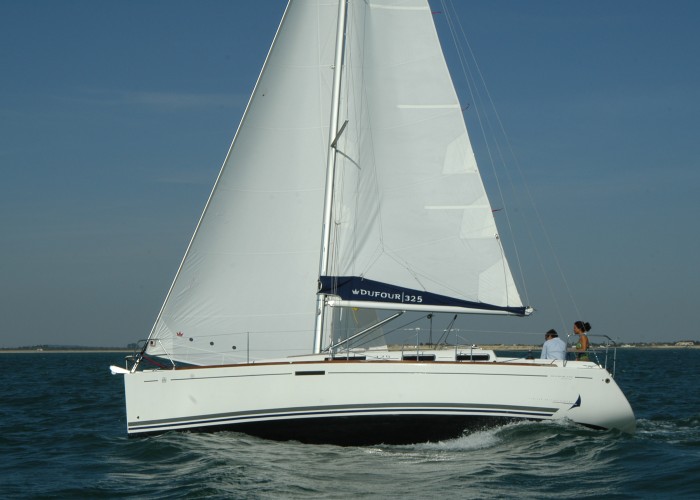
[330,170]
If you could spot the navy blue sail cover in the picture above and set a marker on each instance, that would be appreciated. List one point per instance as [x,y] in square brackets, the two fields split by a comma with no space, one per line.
[362,289]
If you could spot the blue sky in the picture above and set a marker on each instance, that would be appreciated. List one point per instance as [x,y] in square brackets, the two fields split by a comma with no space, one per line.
[116,116]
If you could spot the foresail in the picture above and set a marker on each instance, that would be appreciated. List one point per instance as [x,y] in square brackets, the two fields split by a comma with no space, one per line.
[246,287]
[411,215]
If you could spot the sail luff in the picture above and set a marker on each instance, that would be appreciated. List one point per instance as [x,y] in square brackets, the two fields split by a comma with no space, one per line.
[330,170]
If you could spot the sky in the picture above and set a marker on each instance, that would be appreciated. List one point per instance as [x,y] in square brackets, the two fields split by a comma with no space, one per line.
[115,118]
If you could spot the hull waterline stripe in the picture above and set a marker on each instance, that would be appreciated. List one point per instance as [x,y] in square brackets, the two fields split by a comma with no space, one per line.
[400,409]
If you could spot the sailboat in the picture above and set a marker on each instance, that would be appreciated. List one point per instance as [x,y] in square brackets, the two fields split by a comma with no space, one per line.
[350,200]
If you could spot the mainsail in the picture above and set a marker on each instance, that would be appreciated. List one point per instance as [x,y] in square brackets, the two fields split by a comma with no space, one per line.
[412,225]
[410,214]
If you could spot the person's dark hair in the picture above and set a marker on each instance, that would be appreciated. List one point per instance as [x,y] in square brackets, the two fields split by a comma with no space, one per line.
[551,333]
[584,327]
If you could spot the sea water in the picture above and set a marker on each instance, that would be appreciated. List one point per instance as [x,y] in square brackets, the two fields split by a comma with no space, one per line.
[64,436]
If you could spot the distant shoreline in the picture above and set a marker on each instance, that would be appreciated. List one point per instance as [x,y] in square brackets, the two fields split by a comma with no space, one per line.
[64,351]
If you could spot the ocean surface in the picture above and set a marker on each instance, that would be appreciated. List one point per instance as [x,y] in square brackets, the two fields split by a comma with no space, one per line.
[64,436]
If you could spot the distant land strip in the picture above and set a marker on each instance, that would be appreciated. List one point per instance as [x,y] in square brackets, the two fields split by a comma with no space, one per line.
[51,350]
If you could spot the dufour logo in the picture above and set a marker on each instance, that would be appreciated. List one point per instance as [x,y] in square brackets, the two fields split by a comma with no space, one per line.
[387,296]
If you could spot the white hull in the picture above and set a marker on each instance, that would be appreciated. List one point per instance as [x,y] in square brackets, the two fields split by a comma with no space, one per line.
[422,400]
[406,226]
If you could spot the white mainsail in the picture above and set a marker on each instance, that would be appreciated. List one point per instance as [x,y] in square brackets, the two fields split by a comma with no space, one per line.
[411,218]
[413,227]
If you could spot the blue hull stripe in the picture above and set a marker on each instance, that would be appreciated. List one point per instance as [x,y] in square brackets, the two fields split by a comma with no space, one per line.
[240,417]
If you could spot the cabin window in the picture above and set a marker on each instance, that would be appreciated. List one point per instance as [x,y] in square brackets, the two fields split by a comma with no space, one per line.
[473,357]
[422,357]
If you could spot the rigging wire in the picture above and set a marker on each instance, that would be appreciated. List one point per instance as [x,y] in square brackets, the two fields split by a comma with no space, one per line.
[482,118]
[456,29]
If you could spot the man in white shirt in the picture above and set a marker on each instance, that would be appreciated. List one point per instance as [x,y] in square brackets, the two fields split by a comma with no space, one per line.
[553,347]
